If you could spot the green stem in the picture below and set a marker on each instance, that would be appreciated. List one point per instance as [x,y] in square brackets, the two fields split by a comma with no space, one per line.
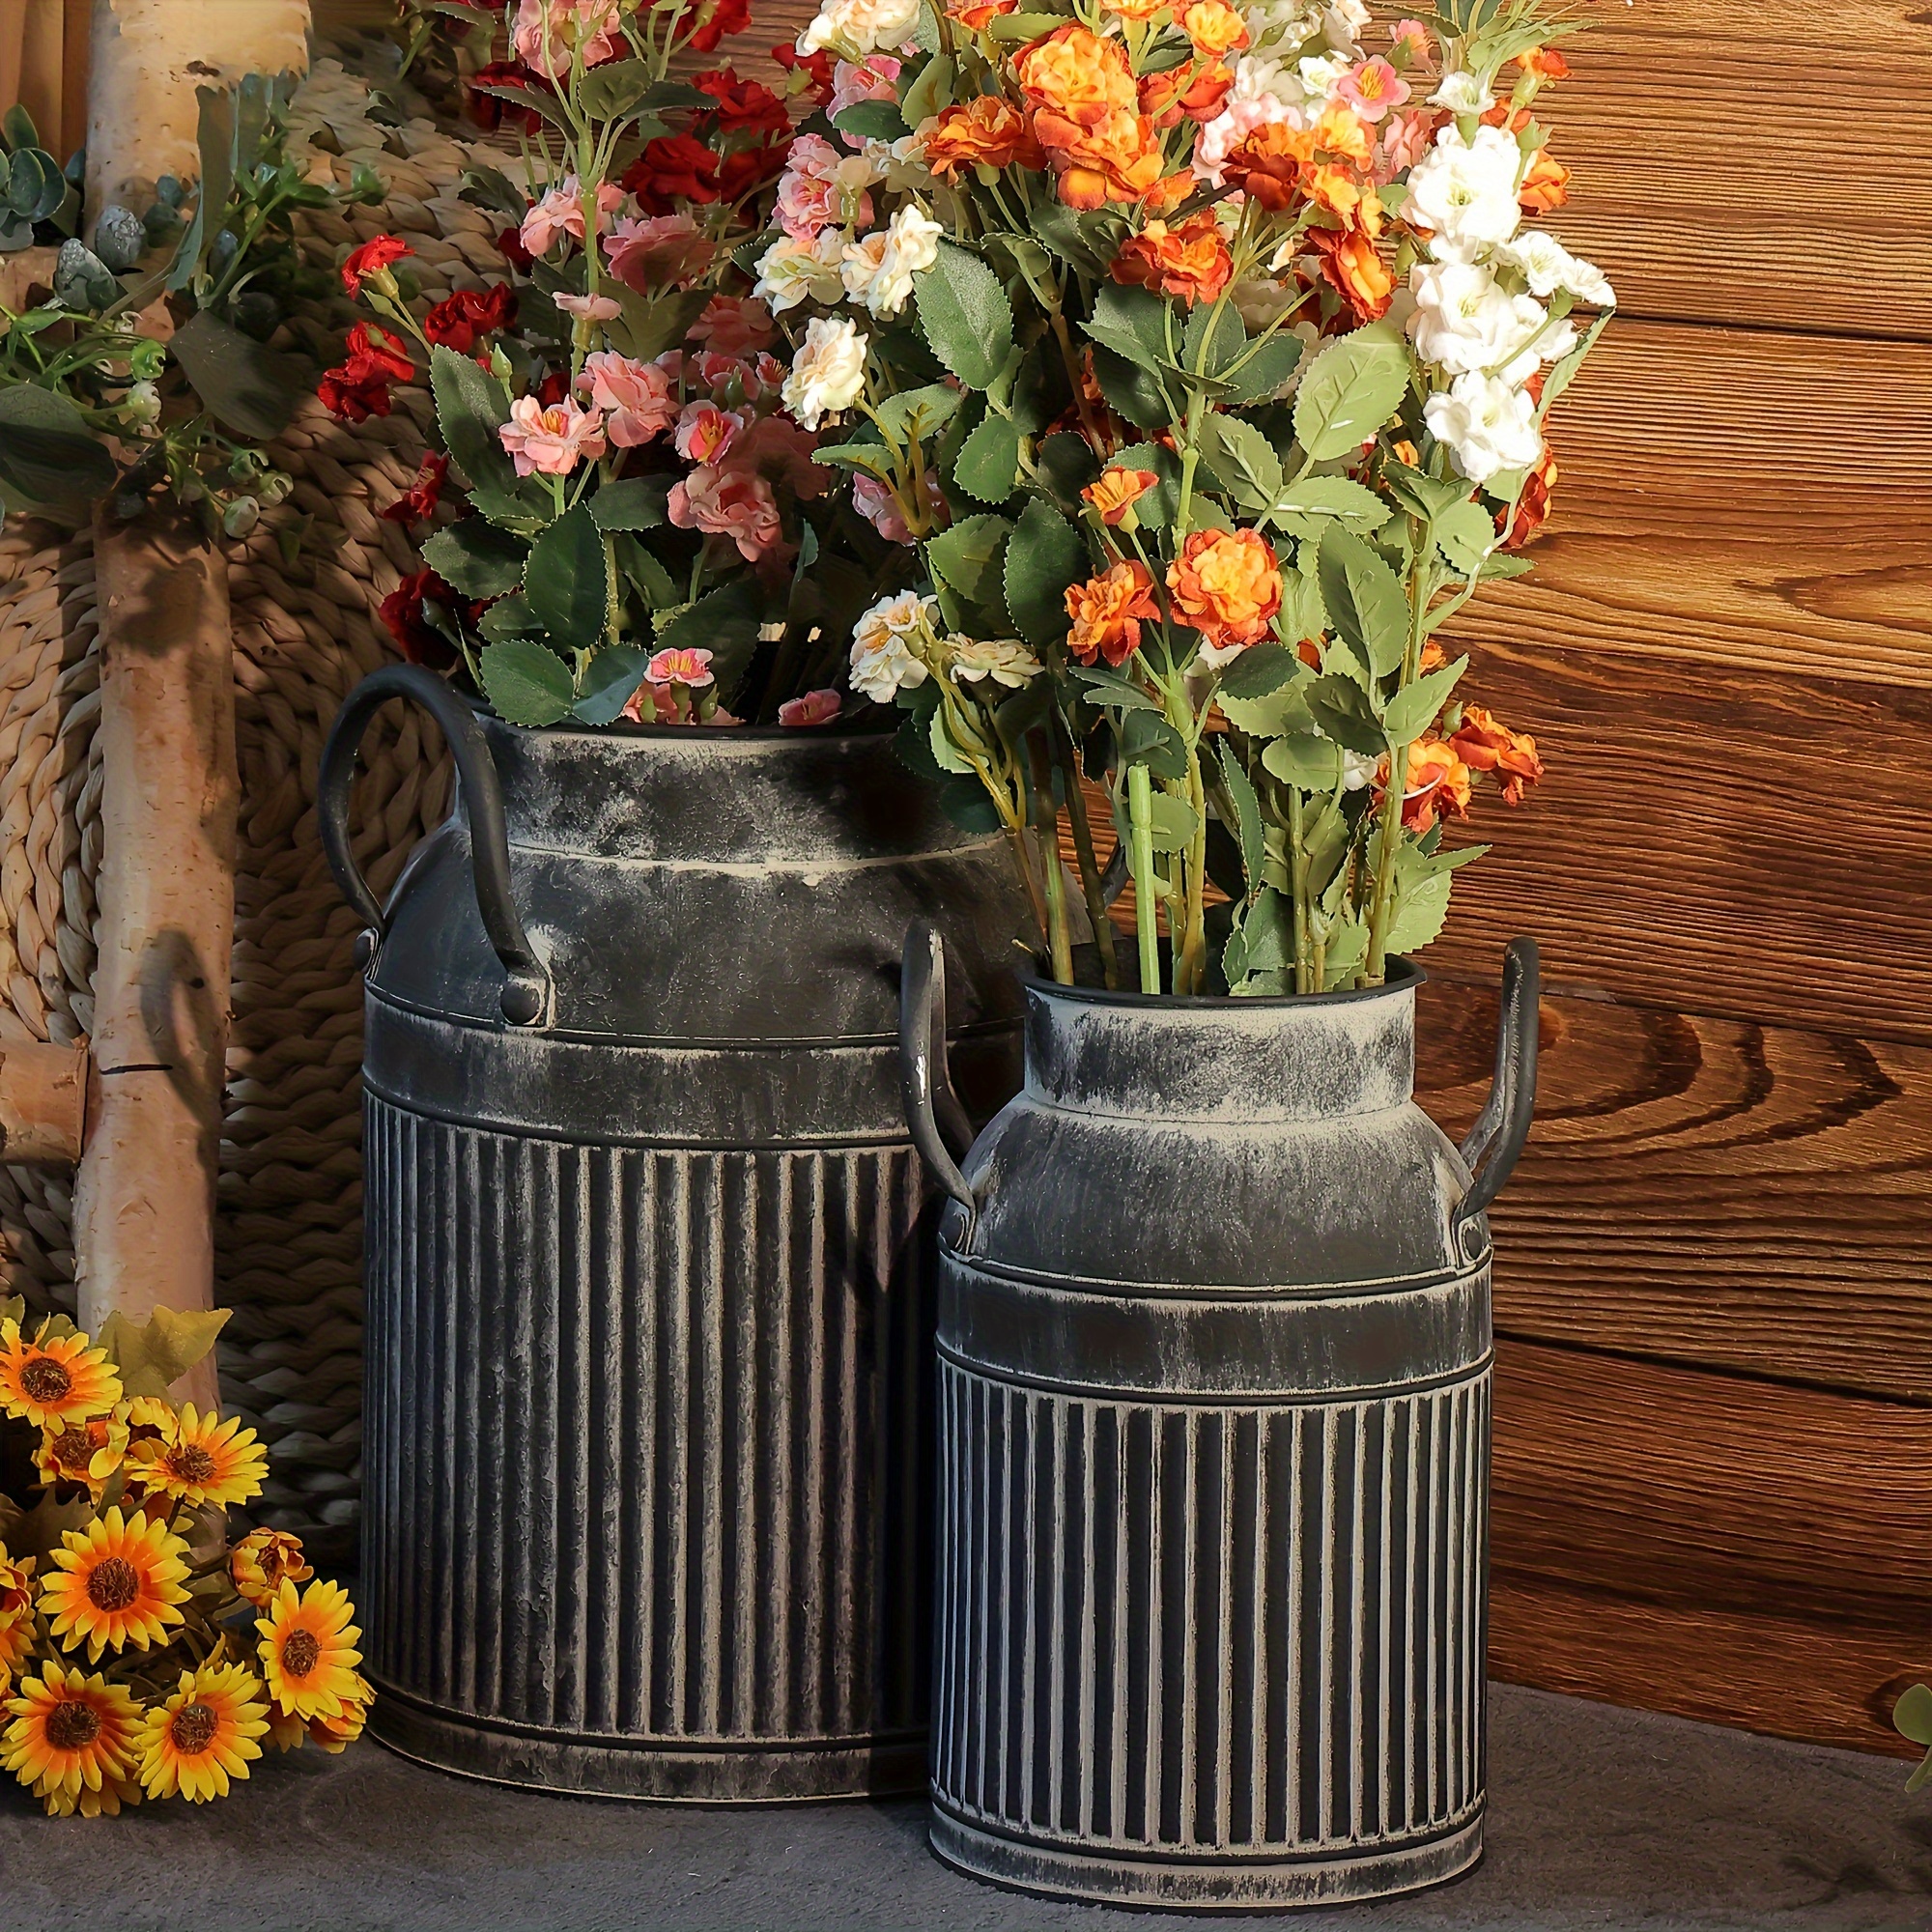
[1140,817]
[1089,868]
[1304,913]
[1389,843]
[1046,823]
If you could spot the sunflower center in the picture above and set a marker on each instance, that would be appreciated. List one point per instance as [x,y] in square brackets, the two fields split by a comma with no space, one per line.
[72,1449]
[191,1462]
[114,1585]
[73,1728]
[193,1730]
[44,1380]
[300,1653]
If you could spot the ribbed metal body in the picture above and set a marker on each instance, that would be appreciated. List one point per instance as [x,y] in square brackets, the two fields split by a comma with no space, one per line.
[650,1443]
[1214,1428]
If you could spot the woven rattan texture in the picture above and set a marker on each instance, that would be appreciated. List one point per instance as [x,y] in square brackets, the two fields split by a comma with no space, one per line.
[289,1234]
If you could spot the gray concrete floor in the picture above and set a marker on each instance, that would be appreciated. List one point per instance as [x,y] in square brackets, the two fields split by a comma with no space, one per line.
[1599,1818]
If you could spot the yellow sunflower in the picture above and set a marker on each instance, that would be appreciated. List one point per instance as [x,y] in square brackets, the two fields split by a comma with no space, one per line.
[118,1582]
[16,1586]
[308,1652]
[17,1645]
[82,1452]
[73,1740]
[57,1380]
[259,1563]
[205,1734]
[199,1458]
[334,1734]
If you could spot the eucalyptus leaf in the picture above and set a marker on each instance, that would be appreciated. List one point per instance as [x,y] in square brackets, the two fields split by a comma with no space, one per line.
[244,385]
[47,452]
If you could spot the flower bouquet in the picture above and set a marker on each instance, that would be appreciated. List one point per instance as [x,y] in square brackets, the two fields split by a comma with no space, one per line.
[625,518]
[142,1652]
[1204,357]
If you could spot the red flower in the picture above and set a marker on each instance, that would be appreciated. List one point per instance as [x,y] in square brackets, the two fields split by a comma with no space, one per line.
[402,612]
[359,388]
[371,258]
[554,389]
[490,111]
[510,245]
[470,314]
[710,20]
[817,67]
[419,500]
[672,169]
[743,103]
[750,169]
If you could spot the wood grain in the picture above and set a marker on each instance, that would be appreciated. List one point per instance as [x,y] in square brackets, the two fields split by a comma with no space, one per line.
[1719,148]
[1703,1191]
[1739,1515]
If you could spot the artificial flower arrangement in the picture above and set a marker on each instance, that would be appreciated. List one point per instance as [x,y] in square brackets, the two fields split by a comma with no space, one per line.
[142,1652]
[1205,356]
[625,518]
[147,369]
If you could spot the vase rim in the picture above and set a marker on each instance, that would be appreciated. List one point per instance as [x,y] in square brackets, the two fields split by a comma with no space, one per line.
[626,729]
[1403,977]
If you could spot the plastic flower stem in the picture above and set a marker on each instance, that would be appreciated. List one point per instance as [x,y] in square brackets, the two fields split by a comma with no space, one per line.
[1304,923]
[1096,440]
[1389,846]
[1082,848]
[1140,817]
[1046,824]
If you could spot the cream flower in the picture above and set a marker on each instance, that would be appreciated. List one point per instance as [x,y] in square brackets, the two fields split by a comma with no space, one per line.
[1463,321]
[827,374]
[879,270]
[790,272]
[856,28]
[1005,660]
[1461,94]
[1487,424]
[1464,192]
[882,663]
[1546,265]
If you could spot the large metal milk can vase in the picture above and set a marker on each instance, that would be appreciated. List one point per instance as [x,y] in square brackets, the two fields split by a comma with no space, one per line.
[1214,1358]
[648,1441]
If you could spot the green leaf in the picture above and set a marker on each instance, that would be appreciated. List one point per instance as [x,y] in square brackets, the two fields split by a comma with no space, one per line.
[608,681]
[1067,465]
[929,93]
[1131,392]
[1249,836]
[635,503]
[646,328]
[214,135]
[1350,389]
[1413,711]
[663,96]
[1173,822]
[1364,599]
[1304,761]
[1161,505]
[1227,339]
[964,312]
[509,617]
[867,453]
[1464,533]
[1420,910]
[155,1354]
[1261,669]
[915,414]
[968,557]
[1563,373]
[1022,26]
[639,566]
[247,386]
[1266,370]
[1268,936]
[1083,241]
[470,407]
[1243,459]
[726,623]
[1420,494]
[616,89]
[1304,509]
[1147,739]
[524,682]
[1340,706]
[989,463]
[871,120]
[47,452]
[1912,1715]
[1111,689]
[566,580]
[477,558]
[1043,556]
[1283,709]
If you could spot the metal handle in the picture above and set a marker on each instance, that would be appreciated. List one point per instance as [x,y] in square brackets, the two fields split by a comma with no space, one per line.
[1497,1138]
[940,1128]
[527,997]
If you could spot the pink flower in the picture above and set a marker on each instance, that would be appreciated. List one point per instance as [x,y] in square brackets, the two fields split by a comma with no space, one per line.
[875,504]
[732,325]
[688,668]
[731,502]
[722,374]
[636,397]
[648,252]
[816,707]
[771,372]
[874,78]
[551,441]
[1413,35]
[599,308]
[705,432]
[1405,141]
[820,186]
[560,211]
[1372,88]
[547,32]
[776,449]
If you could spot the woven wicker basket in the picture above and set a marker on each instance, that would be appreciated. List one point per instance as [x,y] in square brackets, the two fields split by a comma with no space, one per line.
[289,1234]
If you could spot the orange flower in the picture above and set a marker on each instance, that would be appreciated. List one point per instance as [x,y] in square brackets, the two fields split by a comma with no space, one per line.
[1532,507]
[985,132]
[1087,118]
[1486,745]
[1199,93]
[1352,264]
[1115,491]
[1134,10]
[263,1560]
[117,1581]
[1108,612]
[1545,62]
[1076,76]
[308,1653]
[1214,28]
[1437,778]
[1190,263]
[1546,187]
[977,18]
[1342,132]
[1265,164]
[1228,585]
[73,1741]
[83,1452]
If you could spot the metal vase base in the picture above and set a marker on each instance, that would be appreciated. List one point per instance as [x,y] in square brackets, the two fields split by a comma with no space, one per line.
[1216,1883]
[871,1767]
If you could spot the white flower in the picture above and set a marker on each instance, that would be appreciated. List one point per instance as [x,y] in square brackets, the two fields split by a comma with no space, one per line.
[1319,76]
[1342,25]
[1358,770]
[1487,424]
[1463,321]
[790,272]
[911,245]
[1547,266]
[827,374]
[1465,193]
[1005,660]
[1461,94]
[856,28]
[141,404]
[881,662]
[858,265]
[900,167]
[1282,23]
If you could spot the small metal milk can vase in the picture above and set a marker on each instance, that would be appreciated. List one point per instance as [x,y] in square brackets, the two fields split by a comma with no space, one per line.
[1214,1358]
[648,1443]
